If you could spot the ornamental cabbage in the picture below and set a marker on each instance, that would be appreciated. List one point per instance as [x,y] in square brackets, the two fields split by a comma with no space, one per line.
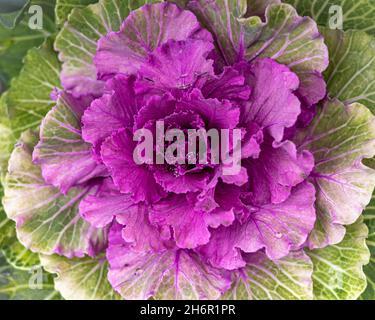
[187,230]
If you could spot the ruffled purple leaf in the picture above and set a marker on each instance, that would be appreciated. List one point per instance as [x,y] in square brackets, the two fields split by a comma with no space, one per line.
[272,105]
[177,65]
[113,111]
[65,158]
[129,177]
[171,274]
[278,169]
[142,32]
[277,228]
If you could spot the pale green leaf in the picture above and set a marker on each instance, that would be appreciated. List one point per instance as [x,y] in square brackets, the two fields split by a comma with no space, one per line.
[66,160]
[47,221]
[28,99]
[7,139]
[15,253]
[297,45]
[338,273]
[77,40]
[64,8]
[356,14]
[340,137]
[284,36]
[7,229]
[262,279]
[80,279]
[289,39]
[221,18]
[351,73]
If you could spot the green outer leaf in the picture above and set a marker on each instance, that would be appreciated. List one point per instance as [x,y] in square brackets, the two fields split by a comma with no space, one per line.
[11,12]
[339,137]
[284,36]
[369,217]
[289,39]
[7,229]
[80,279]
[351,73]
[357,14]
[14,43]
[7,139]
[286,279]
[47,221]
[338,273]
[28,99]
[15,284]
[61,151]
[19,257]
[297,45]
[64,8]
[221,18]
[15,254]
[77,40]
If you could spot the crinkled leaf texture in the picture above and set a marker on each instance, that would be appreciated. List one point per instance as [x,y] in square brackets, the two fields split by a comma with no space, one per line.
[28,100]
[65,159]
[338,273]
[77,42]
[262,279]
[46,220]
[20,257]
[340,137]
[80,278]
[166,275]
[64,7]
[15,254]
[351,73]
[291,40]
